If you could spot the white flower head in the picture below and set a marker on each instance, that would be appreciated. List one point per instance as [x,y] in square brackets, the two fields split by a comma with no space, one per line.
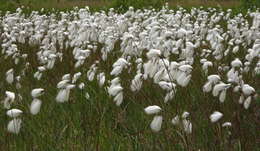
[214,117]
[247,102]
[37,92]
[187,126]
[35,106]
[62,84]
[81,85]
[10,95]
[114,90]
[119,99]
[14,113]
[156,124]
[14,126]
[220,87]
[247,89]
[153,53]
[214,78]
[87,96]
[10,76]
[236,63]
[154,109]
[176,120]
[63,95]
[227,124]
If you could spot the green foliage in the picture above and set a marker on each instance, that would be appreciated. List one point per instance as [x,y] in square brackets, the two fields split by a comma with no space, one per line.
[123,5]
[250,3]
[120,5]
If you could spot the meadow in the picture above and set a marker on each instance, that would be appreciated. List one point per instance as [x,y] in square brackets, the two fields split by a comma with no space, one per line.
[184,79]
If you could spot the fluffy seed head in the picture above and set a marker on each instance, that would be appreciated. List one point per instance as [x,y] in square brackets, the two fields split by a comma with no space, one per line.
[214,117]
[152,109]
[13,113]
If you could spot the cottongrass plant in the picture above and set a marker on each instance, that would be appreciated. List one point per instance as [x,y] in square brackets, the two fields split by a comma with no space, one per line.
[200,67]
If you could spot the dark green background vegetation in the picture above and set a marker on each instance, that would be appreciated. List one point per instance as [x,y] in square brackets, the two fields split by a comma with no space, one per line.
[123,5]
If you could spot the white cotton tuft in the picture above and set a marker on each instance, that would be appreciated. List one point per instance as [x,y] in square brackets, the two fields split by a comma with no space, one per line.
[14,113]
[153,53]
[10,95]
[41,68]
[247,89]
[87,96]
[241,99]
[207,87]
[158,76]
[176,120]
[150,68]
[120,62]
[119,99]
[227,124]
[247,102]
[167,85]
[181,77]
[101,79]
[206,65]
[14,126]
[236,88]
[37,75]
[187,125]
[185,114]
[35,106]
[215,116]
[222,96]
[115,81]
[236,63]
[219,87]
[186,68]
[152,109]
[169,96]
[115,90]
[81,85]
[37,92]
[185,81]
[235,49]
[70,86]
[116,71]
[10,76]
[63,95]
[76,76]
[66,77]
[62,84]
[156,124]
[136,83]
[214,78]
[91,75]
[118,66]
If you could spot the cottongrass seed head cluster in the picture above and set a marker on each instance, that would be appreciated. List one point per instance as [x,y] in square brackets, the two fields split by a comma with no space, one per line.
[163,48]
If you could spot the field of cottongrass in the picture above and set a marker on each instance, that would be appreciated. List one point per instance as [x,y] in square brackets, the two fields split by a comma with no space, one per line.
[140,80]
